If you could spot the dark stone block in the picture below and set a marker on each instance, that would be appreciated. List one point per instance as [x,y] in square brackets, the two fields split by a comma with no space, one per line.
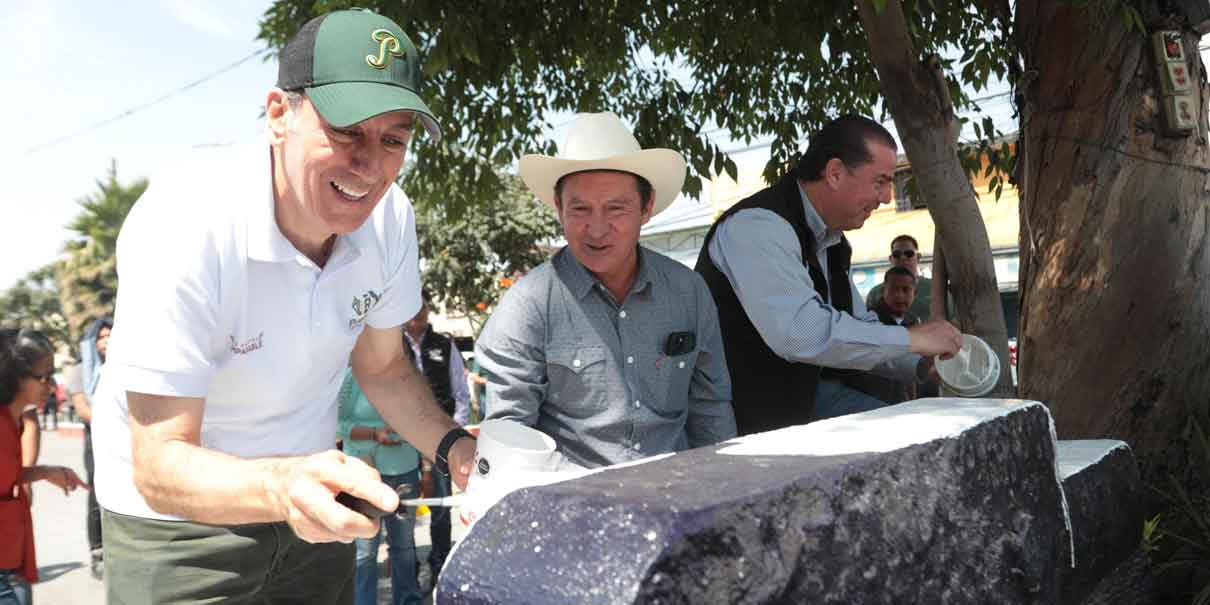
[1131,582]
[1105,503]
[961,505]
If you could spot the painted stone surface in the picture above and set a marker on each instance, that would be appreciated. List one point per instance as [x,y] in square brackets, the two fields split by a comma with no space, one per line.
[1105,499]
[932,501]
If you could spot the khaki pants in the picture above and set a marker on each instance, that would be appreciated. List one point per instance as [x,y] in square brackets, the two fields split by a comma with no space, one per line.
[148,561]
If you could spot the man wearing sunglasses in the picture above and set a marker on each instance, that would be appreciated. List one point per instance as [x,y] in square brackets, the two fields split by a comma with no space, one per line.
[905,252]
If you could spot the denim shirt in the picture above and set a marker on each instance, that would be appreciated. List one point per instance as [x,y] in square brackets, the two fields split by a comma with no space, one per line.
[561,355]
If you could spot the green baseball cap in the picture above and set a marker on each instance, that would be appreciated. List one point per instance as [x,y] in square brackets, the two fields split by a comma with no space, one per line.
[354,65]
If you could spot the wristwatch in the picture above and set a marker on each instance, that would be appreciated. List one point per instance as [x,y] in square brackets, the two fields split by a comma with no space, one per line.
[441,460]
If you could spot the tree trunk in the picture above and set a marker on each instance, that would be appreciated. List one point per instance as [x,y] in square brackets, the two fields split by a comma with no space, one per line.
[1115,300]
[919,104]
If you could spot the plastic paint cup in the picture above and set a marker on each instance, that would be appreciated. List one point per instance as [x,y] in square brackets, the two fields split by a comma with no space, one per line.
[509,456]
[973,371]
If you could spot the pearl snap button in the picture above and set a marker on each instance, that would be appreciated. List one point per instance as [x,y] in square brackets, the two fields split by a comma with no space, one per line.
[575,363]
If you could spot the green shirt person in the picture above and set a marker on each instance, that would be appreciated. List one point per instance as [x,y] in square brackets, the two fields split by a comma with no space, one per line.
[905,252]
[374,442]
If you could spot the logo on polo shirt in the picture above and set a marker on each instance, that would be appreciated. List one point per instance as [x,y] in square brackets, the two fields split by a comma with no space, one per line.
[362,305]
[247,346]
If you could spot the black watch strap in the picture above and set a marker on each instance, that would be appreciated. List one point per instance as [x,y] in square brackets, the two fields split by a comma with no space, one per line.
[442,459]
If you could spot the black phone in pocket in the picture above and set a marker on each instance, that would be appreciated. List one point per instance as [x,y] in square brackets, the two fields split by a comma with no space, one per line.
[679,343]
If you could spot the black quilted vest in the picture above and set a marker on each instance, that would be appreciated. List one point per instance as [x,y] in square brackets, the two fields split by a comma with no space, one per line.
[769,392]
[435,350]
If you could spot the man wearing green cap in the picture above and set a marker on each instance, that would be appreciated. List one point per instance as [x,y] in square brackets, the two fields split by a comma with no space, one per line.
[248,282]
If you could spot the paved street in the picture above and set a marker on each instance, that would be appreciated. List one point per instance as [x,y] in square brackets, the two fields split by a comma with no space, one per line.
[61,539]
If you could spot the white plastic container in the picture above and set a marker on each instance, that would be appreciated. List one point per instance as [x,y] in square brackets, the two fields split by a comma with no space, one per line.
[973,371]
[510,456]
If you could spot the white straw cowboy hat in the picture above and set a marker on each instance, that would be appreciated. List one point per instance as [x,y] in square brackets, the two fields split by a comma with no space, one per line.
[600,141]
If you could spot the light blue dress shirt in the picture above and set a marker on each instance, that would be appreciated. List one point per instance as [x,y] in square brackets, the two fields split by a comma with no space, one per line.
[760,255]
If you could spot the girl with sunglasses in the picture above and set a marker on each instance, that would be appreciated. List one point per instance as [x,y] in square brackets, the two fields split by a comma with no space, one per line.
[26,369]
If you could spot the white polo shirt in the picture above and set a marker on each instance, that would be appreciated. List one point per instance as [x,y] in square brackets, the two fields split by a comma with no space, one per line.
[214,302]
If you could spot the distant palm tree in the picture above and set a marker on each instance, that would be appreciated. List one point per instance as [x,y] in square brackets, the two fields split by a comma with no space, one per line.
[33,302]
[88,278]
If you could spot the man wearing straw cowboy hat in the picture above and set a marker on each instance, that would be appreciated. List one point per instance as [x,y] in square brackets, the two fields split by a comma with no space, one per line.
[249,281]
[611,349]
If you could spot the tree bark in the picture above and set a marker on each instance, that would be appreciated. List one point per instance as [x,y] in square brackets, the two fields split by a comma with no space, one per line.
[1115,300]
[939,305]
[923,118]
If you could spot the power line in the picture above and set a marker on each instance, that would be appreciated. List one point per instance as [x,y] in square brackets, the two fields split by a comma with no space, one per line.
[133,110]
[992,96]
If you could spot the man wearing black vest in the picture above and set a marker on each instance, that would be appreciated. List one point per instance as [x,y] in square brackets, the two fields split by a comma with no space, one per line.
[439,360]
[777,263]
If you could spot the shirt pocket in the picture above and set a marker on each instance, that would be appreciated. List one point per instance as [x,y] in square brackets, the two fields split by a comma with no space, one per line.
[676,372]
[578,380]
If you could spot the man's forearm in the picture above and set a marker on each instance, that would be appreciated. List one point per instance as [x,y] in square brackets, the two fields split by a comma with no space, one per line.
[403,398]
[185,480]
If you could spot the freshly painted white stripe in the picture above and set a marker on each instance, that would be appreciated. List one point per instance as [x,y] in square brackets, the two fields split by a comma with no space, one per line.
[883,430]
[1077,455]
[892,428]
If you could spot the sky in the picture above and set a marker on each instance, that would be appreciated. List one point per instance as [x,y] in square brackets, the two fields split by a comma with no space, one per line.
[69,65]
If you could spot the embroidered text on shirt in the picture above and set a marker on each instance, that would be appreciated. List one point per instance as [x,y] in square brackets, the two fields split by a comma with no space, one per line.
[248,346]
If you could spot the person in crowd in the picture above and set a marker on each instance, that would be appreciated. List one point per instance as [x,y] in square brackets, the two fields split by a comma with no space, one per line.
[82,384]
[437,358]
[777,264]
[611,349]
[898,290]
[894,309]
[26,365]
[366,436]
[905,252]
[475,376]
[249,280]
[50,408]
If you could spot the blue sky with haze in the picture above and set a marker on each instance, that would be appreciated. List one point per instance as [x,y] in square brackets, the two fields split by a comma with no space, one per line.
[69,65]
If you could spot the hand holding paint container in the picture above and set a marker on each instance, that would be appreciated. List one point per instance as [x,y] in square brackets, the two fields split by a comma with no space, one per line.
[509,456]
[973,371]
